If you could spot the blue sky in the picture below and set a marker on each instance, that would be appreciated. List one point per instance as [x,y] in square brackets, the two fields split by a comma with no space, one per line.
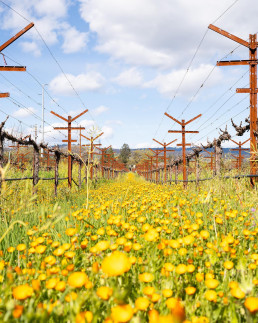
[126,60]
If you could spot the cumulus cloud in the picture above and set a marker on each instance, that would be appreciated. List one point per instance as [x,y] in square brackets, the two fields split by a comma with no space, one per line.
[99,110]
[167,83]
[90,81]
[74,40]
[50,18]
[149,33]
[31,47]
[129,78]
[24,112]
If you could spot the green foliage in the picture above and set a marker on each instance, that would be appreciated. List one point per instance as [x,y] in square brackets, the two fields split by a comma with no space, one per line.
[125,153]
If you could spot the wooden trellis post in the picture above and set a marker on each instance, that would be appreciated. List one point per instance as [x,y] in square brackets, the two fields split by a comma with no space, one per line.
[252,90]
[240,150]
[183,144]
[69,128]
[165,145]
[156,155]
[103,151]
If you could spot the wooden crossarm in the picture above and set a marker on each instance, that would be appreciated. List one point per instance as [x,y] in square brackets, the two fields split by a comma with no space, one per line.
[104,149]
[65,140]
[244,90]
[98,136]
[171,142]
[156,152]
[234,141]
[168,115]
[245,142]
[85,137]
[19,34]
[12,68]
[233,63]
[4,95]
[209,152]
[185,145]
[158,142]
[182,131]
[79,115]
[228,35]
[72,128]
[57,115]
[199,115]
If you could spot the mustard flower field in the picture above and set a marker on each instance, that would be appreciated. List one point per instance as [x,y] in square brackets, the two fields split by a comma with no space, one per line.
[131,251]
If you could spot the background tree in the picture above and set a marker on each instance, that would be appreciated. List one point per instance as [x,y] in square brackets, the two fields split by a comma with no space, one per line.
[125,153]
[137,156]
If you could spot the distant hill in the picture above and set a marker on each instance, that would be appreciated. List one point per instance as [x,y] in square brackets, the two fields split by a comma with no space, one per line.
[171,151]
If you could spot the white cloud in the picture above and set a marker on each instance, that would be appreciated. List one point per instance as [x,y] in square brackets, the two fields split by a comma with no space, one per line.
[91,81]
[130,78]
[99,110]
[31,47]
[167,83]
[24,112]
[108,132]
[57,8]
[149,33]
[50,18]
[74,41]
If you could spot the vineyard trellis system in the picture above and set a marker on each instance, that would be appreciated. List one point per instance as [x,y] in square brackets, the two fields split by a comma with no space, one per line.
[107,170]
[154,175]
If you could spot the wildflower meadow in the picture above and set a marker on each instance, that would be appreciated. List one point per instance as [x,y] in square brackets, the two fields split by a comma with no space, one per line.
[128,250]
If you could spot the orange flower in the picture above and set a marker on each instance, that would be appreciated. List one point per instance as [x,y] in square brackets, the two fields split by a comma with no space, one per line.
[204,234]
[77,279]
[211,296]
[17,312]
[190,290]
[146,277]
[167,292]
[228,265]
[22,292]
[51,283]
[181,269]
[251,303]
[122,313]
[41,249]
[21,247]
[60,286]
[237,293]
[142,303]
[35,284]
[212,283]
[104,292]
[116,264]
[70,232]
